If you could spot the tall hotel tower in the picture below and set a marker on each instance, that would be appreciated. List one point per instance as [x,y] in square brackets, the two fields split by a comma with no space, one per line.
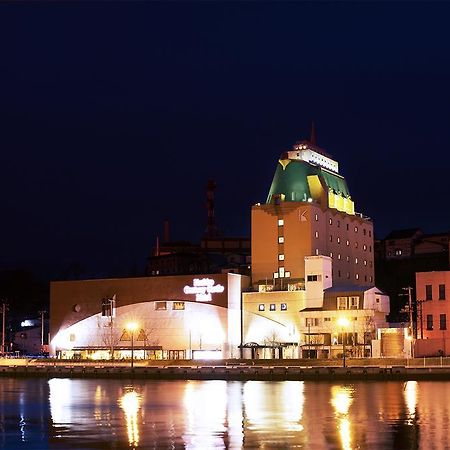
[309,212]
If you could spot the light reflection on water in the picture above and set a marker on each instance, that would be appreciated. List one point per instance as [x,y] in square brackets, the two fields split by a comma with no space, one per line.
[115,414]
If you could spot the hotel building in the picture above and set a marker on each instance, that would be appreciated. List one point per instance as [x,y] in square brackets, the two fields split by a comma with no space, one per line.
[311,267]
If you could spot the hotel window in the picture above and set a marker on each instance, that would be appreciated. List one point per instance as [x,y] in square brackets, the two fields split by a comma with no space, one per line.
[370,248]
[331,238]
[327,319]
[356,229]
[365,262]
[275,274]
[428,292]
[331,254]
[339,256]
[313,278]
[287,274]
[357,276]
[72,337]
[316,217]
[280,257]
[339,273]
[160,306]
[370,278]
[178,306]
[342,303]
[442,292]
[442,321]
[429,321]
[348,275]
[356,245]
[347,242]
[339,224]
[272,307]
[280,222]
[354,302]
[261,307]
[281,240]
[281,272]
[370,233]
[317,252]
[338,240]
[364,247]
[316,234]
[347,258]
[356,260]
[364,231]
[284,307]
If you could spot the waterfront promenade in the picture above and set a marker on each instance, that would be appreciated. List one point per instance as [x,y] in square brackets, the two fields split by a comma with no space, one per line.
[298,369]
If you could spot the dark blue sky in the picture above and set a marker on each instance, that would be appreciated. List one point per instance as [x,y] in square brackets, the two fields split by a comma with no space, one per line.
[114,115]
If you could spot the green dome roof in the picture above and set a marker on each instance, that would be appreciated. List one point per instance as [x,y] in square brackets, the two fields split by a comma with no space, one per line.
[291,180]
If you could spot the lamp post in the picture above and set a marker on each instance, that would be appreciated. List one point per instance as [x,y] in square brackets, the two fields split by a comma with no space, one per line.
[343,323]
[131,327]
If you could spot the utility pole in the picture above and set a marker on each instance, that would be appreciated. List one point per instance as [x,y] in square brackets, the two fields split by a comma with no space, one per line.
[112,305]
[42,313]
[411,327]
[3,327]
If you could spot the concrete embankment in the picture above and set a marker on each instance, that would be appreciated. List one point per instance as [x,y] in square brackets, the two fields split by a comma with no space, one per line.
[227,372]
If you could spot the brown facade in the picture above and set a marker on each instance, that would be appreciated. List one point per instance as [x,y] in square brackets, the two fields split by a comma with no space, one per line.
[298,229]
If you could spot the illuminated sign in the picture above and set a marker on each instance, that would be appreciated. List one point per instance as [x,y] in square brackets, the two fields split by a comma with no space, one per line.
[203,289]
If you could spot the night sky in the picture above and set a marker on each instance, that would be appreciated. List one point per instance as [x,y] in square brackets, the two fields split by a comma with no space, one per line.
[114,115]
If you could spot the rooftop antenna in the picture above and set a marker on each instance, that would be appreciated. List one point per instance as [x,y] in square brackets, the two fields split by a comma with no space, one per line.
[313,139]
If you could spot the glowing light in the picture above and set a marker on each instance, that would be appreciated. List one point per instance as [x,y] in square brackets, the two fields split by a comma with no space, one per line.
[132,326]
[410,393]
[130,403]
[203,288]
[341,400]
[343,322]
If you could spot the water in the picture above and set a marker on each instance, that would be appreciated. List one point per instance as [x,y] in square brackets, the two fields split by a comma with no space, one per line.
[116,414]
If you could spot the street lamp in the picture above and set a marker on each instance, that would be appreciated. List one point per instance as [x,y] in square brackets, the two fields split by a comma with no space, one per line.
[343,323]
[132,327]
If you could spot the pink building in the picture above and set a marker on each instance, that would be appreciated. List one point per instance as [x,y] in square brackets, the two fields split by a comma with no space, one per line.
[433,313]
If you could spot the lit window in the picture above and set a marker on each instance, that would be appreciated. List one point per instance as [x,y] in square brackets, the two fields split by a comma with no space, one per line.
[331,254]
[316,234]
[398,252]
[356,229]
[178,306]
[338,240]
[160,306]
[365,262]
[342,303]
[339,256]
[287,274]
[331,238]
[261,307]
[364,247]
[284,307]
[357,276]
[275,274]
[347,242]
[370,279]
[356,245]
[280,239]
[331,221]
[280,257]
[356,260]
[316,217]
[347,258]
[272,307]
[317,251]
[281,271]
[280,222]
